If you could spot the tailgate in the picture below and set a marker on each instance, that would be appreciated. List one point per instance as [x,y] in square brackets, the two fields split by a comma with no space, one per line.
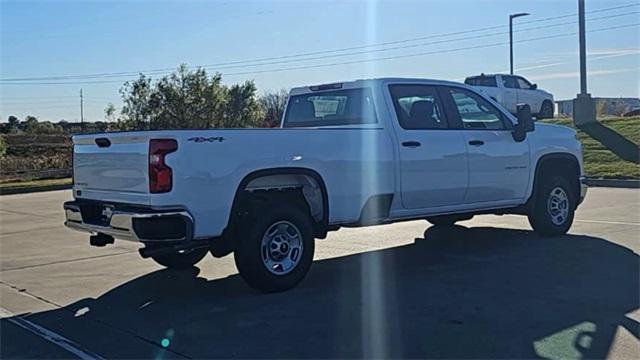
[115,162]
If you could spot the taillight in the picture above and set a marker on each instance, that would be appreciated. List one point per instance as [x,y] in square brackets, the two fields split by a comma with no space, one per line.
[160,174]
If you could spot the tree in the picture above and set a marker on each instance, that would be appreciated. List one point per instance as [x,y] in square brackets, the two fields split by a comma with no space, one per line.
[136,110]
[30,124]
[13,122]
[110,112]
[187,99]
[273,104]
[242,108]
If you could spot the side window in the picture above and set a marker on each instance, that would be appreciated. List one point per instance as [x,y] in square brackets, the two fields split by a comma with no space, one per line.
[524,84]
[418,107]
[475,112]
[510,82]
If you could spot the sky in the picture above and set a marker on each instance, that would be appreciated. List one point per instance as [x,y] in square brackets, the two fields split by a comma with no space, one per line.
[46,44]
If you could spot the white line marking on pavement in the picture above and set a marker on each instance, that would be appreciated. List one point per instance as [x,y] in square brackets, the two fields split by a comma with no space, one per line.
[48,335]
[608,222]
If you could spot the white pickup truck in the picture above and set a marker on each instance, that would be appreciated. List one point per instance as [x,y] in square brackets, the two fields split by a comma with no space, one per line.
[347,154]
[513,90]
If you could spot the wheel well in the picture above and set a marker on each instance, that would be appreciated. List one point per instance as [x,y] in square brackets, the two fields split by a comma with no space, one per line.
[565,165]
[547,101]
[303,184]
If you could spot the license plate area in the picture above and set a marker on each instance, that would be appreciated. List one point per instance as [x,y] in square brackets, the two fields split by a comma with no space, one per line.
[96,213]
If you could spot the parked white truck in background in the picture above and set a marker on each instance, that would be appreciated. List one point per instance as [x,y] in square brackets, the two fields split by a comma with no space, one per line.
[348,154]
[513,90]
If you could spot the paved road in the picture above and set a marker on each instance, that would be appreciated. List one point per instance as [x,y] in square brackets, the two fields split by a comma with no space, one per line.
[489,288]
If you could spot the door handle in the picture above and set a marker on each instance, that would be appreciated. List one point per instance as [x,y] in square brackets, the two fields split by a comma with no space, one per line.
[411,144]
[476,142]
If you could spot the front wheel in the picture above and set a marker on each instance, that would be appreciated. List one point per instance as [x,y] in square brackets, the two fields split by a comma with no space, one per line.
[275,247]
[554,207]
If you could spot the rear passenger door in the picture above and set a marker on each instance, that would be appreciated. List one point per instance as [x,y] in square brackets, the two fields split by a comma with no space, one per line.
[498,165]
[433,159]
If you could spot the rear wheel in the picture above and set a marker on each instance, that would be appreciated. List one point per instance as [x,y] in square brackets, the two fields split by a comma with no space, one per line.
[546,111]
[275,246]
[180,260]
[554,207]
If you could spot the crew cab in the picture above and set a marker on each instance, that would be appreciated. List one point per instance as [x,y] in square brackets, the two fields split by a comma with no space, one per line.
[513,90]
[347,154]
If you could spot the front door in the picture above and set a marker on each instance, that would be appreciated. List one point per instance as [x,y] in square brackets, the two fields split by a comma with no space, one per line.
[433,159]
[498,165]
[528,95]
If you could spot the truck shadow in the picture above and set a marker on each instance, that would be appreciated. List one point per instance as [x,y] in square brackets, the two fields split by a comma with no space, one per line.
[456,293]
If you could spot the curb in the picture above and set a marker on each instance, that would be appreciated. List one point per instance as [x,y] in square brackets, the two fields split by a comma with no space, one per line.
[26,190]
[614,183]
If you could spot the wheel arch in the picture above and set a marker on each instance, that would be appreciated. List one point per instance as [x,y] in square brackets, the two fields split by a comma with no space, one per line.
[313,187]
[547,101]
[557,163]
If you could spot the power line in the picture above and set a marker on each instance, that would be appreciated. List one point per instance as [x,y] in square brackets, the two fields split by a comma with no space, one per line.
[364,60]
[427,53]
[261,61]
[401,47]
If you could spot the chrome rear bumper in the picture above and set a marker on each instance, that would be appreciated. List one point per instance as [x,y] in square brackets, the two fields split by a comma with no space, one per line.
[125,224]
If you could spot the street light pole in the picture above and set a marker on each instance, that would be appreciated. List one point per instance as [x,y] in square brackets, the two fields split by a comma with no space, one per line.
[583,48]
[511,17]
[584,107]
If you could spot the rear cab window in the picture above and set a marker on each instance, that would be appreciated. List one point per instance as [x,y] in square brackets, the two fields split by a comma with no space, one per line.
[331,108]
[489,81]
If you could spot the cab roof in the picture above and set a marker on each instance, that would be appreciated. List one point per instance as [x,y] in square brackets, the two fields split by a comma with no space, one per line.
[366,83]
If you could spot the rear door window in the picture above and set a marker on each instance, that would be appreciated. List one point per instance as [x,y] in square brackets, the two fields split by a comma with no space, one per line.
[510,82]
[331,108]
[418,107]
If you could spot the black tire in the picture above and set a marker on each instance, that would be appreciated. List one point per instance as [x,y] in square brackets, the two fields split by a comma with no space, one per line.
[546,110]
[181,261]
[249,251]
[447,220]
[541,216]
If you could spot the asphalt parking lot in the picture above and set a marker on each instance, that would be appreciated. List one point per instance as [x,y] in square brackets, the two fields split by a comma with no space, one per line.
[488,288]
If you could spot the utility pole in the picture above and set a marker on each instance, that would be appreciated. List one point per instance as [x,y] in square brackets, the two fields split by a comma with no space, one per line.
[511,17]
[583,48]
[584,109]
[81,112]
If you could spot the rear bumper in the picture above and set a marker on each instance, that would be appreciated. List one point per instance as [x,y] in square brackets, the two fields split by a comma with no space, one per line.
[583,188]
[125,222]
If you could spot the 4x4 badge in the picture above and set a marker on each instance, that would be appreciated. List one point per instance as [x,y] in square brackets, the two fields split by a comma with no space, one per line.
[200,139]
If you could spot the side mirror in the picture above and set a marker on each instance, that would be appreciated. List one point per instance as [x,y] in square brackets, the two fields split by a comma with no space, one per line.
[525,123]
[534,86]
